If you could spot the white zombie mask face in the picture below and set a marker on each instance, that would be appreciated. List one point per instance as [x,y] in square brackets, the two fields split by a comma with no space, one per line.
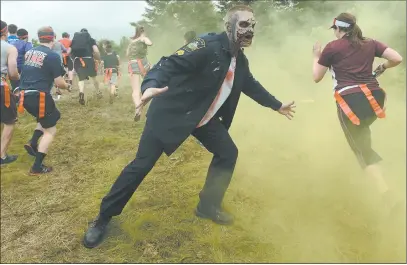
[242,25]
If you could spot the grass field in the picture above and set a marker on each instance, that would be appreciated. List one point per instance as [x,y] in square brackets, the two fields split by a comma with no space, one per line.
[297,192]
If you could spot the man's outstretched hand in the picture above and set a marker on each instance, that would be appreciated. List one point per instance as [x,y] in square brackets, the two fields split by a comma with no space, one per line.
[287,110]
[149,94]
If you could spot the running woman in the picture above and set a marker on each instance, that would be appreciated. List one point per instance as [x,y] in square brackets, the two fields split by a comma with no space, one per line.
[138,65]
[360,99]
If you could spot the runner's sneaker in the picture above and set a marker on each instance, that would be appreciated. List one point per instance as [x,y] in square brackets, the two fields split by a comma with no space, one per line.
[8,159]
[31,150]
[43,170]
[81,98]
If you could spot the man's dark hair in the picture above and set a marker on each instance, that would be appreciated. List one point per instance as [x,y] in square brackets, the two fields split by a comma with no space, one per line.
[190,36]
[108,47]
[22,34]
[3,28]
[65,35]
[84,30]
[12,29]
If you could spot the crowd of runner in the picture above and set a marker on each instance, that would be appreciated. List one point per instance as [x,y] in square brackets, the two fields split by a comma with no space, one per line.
[33,77]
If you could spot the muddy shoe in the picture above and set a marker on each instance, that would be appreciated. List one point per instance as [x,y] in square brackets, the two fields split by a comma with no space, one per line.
[96,232]
[81,98]
[216,215]
[31,150]
[8,159]
[43,170]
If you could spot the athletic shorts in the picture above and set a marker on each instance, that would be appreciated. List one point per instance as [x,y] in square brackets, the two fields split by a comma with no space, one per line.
[139,66]
[112,78]
[84,72]
[32,103]
[8,114]
[359,136]
[68,62]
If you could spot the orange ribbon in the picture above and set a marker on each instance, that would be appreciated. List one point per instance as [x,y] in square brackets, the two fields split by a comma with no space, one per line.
[41,109]
[380,113]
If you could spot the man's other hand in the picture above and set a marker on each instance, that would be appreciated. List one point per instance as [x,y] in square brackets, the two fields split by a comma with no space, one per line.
[149,94]
[287,110]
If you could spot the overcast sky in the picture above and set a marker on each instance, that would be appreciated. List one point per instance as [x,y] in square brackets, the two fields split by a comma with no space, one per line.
[103,19]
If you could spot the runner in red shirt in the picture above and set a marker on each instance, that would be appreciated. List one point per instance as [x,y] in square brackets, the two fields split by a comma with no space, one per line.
[359,97]
[67,60]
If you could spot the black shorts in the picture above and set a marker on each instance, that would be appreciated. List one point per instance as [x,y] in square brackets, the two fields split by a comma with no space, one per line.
[8,114]
[52,114]
[68,63]
[359,136]
[85,72]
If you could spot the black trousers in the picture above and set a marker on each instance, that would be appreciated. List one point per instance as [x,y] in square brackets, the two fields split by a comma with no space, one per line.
[359,136]
[216,140]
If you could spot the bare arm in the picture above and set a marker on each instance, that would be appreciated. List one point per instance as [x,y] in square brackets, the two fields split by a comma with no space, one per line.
[96,52]
[128,51]
[63,48]
[147,41]
[322,61]
[12,63]
[318,71]
[60,82]
[393,58]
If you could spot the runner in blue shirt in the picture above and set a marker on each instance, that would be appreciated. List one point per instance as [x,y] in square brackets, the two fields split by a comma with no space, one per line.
[12,33]
[42,67]
[23,46]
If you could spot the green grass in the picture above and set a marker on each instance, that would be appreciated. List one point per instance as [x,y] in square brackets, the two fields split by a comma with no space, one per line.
[292,200]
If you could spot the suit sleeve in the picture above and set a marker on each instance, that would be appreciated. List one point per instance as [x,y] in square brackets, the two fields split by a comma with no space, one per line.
[254,90]
[189,59]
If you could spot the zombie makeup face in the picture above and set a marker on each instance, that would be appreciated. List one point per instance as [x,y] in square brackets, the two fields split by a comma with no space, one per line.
[242,25]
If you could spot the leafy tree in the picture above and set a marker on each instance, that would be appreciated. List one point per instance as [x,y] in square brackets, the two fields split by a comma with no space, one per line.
[35,42]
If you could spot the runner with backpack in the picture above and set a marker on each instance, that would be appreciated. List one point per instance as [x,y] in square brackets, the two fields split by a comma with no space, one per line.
[84,51]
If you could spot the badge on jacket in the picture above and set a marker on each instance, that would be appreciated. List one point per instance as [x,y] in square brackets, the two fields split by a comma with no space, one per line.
[197,44]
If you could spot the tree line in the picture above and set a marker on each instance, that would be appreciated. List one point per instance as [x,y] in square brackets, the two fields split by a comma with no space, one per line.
[164,19]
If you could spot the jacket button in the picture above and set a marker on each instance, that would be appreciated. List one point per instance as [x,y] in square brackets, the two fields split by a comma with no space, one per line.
[189,112]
